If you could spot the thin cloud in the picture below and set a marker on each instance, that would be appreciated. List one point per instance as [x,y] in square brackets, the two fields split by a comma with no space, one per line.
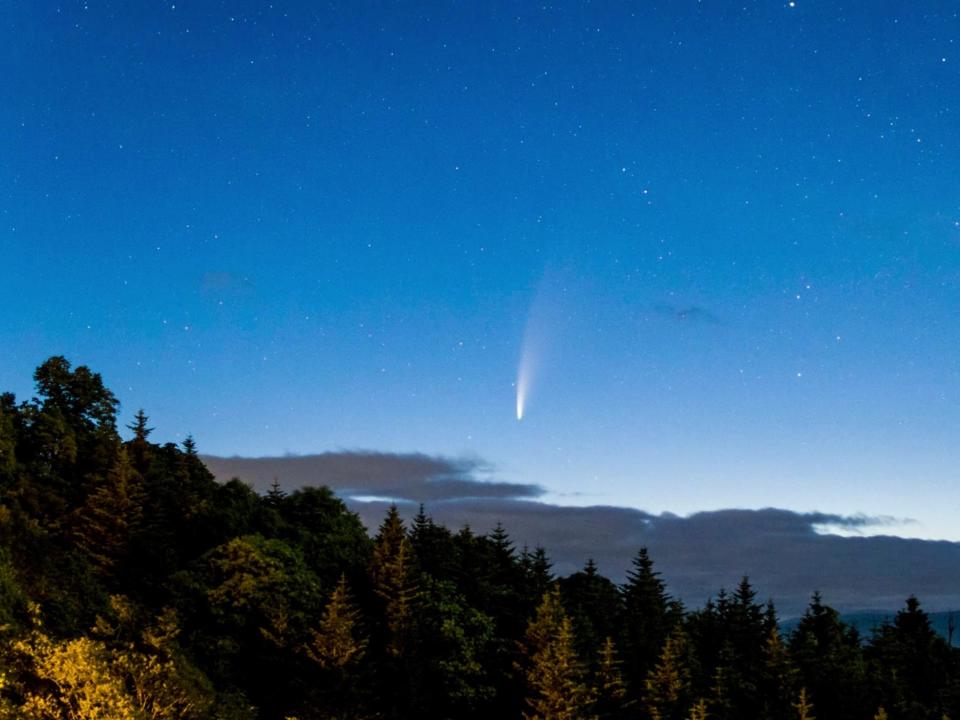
[412,477]
[688,314]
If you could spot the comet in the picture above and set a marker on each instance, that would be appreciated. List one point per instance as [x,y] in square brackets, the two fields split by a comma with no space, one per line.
[523,385]
[529,352]
[542,322]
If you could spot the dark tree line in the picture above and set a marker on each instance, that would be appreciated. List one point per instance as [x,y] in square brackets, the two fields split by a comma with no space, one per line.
[134,586]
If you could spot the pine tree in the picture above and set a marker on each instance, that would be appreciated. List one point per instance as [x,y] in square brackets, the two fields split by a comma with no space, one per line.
[829,659]
[668,683]
[393,574]
[778,679]
[275,494]
[434,547]
[535,569]
[595,607]
[803,706]
[556,682]
[913,662]
[337,644]
[140,446]
[698,711]
[139,426]
[110,516]
[648,618]
[611,691]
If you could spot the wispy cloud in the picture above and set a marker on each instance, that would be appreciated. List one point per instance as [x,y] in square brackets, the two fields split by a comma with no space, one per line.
[689,314]
[409,477]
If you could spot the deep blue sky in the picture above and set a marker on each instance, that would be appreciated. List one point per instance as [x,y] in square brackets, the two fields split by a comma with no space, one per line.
[731,230]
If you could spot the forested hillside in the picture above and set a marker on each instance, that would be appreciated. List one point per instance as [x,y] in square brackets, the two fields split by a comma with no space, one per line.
[134,586]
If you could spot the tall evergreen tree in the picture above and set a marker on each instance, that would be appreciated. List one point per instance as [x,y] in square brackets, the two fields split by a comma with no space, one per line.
[433,544]
[829,659]
[394,578]
[668,682]
[912,665]
[610,688]
[594,605]
[110,517]
[649,616]
[556,681]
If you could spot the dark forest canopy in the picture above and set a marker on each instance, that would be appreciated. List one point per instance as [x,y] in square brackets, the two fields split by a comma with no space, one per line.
[132,585]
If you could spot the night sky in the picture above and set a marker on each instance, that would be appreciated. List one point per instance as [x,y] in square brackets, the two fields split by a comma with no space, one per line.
[721,240]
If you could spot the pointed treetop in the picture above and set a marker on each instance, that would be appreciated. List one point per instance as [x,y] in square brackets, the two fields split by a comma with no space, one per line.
[540,564]
[139,426]
[190,446]
[501,540]
[744,594]
[392,530]
[275,494]
[421,519]
[644,582]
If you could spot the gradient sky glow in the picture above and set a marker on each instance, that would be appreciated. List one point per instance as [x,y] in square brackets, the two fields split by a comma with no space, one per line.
[295,227]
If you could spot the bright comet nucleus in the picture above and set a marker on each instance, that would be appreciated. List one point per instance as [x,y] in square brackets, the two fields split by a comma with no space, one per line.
[521,390]
[524,377]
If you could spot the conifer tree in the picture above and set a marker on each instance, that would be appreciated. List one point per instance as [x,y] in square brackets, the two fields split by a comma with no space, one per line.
[778,679]
[139,426]
[594,605]
[803,706]
[275,494]
[394,580]
[139,447]
[698,711]
[434,547]
[611,691]
[649,615]
[336,644]
[110,516]
[556,682]
[536,568]
[915,661]
[338,648]
[668,683]
[829,660]
[722,687]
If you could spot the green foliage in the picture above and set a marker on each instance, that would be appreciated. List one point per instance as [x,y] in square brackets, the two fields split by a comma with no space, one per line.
[111,515]
[452,641]
[8,440]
